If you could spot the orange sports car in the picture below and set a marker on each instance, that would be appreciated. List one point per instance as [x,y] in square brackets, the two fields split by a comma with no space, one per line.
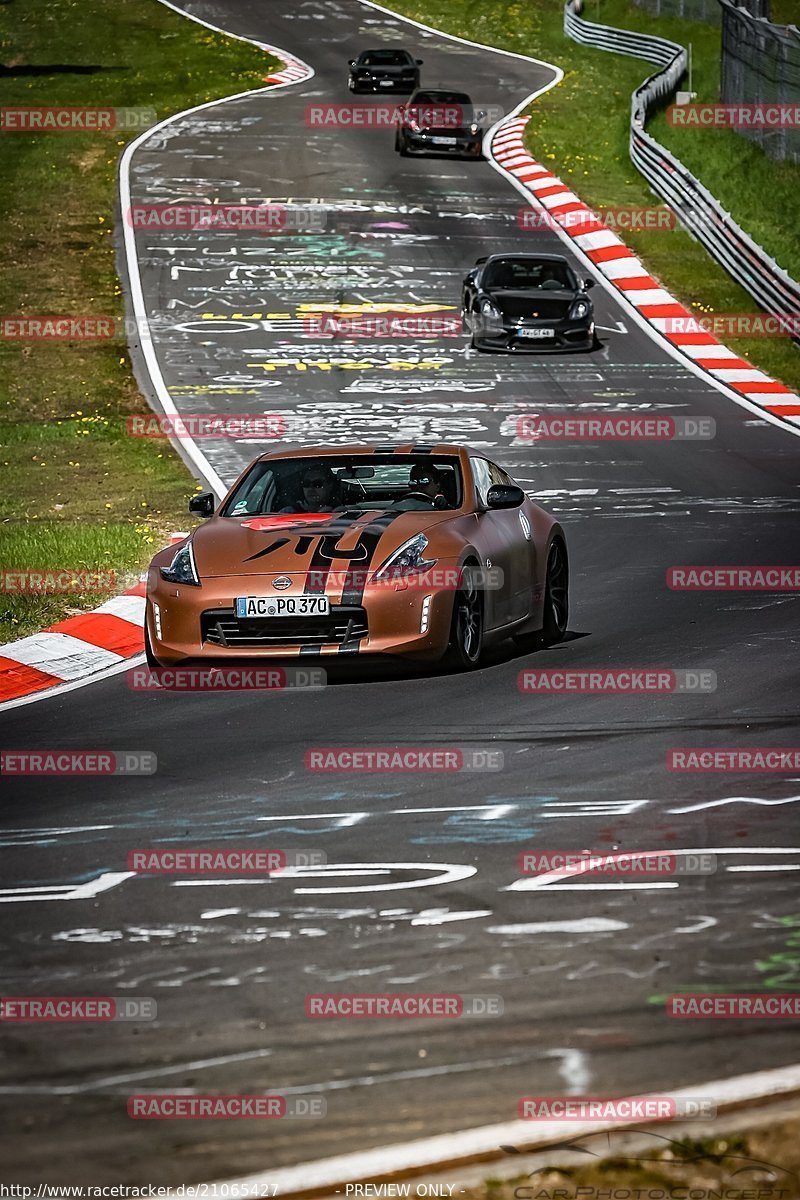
[426,551]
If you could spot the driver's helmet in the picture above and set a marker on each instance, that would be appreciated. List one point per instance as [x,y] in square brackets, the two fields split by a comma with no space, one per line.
[421,475]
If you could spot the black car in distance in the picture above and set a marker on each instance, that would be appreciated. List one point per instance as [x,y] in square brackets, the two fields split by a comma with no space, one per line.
[440,122]
[384,71]
[524,302]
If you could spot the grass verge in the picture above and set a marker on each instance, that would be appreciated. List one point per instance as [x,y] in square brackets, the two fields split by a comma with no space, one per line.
[78,493]
[580,129]
[756,1164]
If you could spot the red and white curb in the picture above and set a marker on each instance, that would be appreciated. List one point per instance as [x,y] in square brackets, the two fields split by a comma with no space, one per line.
[621,268]
[293,71]
[81,646]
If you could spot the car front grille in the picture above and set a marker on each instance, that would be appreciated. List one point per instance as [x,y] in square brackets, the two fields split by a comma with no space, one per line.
[546,309]
[221,627]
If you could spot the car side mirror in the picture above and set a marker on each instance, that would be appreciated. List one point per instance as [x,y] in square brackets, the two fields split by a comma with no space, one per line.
[501,495]
[587,283]
[203,504]
[419,62]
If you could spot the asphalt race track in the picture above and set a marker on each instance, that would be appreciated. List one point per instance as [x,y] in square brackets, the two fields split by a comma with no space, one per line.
[427,903]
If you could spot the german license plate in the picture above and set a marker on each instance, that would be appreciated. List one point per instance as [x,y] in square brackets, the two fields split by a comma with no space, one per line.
[282,606]
[444,141]
[536,333]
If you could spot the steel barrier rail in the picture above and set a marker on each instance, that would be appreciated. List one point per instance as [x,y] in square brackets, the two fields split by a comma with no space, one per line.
[702,215]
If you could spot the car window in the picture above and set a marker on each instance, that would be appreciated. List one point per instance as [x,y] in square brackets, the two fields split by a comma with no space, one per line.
[487,474]
[482,476]
[342,482]
[498,475]
[385,58]
[529,273]
[440,98]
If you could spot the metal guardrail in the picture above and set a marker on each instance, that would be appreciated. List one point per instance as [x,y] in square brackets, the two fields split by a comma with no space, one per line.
[702,215]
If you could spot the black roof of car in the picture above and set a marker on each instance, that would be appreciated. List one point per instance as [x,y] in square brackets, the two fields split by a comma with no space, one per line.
[524,257]
[383,52]
[445,95]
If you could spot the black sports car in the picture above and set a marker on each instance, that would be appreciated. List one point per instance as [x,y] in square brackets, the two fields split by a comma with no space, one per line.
[523,302]
[384,71]
[440,122]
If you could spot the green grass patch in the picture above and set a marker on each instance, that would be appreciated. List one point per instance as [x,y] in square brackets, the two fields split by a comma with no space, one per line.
[109,553]
[580,129]
[784,12]
[69,470]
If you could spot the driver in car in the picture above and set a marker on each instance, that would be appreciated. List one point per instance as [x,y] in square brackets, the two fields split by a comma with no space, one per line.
[320,491]
[425,483]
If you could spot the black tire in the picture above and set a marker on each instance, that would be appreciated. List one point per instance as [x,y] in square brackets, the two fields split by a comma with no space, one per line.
[556,603]
[150,658]
[465,646]
[556,595]
[401,147]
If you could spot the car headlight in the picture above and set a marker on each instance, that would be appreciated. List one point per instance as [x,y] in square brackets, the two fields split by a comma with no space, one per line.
[182,569]
[579,310]
[405,559]
[490,313]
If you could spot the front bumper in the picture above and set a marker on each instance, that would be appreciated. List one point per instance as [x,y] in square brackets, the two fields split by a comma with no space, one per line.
[384,85]
[566,335]
[387,619]
[468,145]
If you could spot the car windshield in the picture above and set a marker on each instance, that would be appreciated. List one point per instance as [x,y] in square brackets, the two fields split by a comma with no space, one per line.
[527,273]
[385,58]
[341,483]
[440,98]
